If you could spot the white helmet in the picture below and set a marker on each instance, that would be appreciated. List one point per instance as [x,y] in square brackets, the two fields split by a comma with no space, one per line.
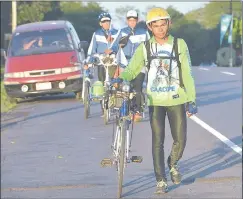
[132,13]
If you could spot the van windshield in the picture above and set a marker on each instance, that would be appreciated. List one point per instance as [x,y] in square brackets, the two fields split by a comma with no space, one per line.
[40,42]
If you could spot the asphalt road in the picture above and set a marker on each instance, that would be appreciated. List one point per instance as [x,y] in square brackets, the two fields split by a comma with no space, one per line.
[48,149]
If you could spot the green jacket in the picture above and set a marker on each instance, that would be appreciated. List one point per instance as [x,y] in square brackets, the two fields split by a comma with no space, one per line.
[162,90]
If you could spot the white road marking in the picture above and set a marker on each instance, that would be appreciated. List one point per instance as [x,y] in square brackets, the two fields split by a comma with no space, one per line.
[227,73]
[203,68]
[224,139]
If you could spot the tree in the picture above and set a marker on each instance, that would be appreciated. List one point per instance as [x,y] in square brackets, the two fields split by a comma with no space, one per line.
[5,21]
[122,11]
[32,11]
[210,15]
[174,14]
[55,13]
[84,17]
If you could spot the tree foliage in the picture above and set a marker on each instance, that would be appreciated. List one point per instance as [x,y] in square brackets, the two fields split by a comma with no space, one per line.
[84,17]
[122,11]
[32,11]
[210,15]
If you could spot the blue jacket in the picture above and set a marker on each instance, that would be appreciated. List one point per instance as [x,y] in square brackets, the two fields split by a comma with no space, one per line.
[140,35]
[99,43]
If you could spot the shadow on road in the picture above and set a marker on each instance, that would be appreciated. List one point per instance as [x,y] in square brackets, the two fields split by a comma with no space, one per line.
[214,92]
[8,124]
[15,117]
[218,99]
[195,168]
[49,98]
[216,83]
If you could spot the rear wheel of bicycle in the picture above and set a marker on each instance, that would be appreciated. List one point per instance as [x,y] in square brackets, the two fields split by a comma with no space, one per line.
[121,160]
[106,116]
[106,110]
[86,100]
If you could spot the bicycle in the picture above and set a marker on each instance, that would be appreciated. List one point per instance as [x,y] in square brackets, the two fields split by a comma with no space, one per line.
[106,61]
[88,74]
[123,102]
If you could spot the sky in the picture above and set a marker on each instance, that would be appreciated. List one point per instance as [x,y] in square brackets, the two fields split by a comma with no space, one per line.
[183,7]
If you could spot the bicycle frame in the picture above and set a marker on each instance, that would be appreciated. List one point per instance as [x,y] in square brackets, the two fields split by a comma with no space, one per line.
[123,115]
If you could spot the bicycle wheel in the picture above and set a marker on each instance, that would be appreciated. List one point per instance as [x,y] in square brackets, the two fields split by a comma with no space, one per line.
[86,100]
[106,116]
[106,111]
[143,104]
[121,160]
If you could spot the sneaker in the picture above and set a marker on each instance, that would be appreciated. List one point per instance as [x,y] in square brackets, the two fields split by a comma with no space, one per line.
[162,187]
[174,173]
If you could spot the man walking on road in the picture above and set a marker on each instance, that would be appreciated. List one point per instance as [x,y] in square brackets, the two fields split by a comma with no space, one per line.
[170,90]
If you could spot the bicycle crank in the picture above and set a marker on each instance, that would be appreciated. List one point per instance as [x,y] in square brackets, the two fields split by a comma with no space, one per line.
[106,162]
[137,159]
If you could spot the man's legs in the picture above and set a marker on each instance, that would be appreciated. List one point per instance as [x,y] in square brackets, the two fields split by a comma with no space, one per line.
[178,125]
[157,121]
[138,87]
[101,74]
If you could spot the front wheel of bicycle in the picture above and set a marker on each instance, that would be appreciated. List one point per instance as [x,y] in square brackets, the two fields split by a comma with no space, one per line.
[121,159]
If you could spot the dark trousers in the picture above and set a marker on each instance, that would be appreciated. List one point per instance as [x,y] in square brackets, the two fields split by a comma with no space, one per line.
[178,125]
[138,87]
[101,73]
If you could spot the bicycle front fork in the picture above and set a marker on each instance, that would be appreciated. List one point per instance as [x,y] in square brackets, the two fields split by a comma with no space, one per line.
[116,144]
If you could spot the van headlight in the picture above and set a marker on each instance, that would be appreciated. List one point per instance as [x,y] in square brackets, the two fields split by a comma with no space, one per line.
[125,88]
[14,75]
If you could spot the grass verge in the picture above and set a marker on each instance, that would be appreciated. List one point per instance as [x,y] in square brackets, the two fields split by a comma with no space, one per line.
[6,103]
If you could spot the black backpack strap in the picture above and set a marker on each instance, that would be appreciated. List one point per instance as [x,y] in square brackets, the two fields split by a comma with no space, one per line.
[178,62]
[147,47]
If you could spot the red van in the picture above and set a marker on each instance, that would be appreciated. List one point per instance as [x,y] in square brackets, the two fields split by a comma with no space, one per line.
[44,58]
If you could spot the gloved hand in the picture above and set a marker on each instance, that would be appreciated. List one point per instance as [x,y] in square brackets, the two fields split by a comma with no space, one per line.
[94,60]
[116,80]
[191,109]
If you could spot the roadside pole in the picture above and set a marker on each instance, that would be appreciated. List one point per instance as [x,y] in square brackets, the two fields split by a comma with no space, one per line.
[14,15]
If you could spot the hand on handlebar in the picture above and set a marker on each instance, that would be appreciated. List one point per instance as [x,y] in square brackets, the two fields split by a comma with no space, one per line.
[86,66]
[116,80]
[108,51]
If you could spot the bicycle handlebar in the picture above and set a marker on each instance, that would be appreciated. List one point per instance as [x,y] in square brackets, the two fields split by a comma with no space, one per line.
[106,60]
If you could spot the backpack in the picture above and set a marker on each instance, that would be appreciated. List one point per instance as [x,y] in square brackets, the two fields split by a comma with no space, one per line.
[175,48]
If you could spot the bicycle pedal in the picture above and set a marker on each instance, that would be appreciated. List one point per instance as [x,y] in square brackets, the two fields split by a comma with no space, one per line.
[106,162]
[137,159]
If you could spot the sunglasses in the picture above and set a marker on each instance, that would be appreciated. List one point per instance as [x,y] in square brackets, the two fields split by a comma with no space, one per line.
[105,21]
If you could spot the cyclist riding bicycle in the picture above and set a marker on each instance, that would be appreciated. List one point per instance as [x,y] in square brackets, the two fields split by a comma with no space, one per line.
[170,90]
[101,42]
[136,36]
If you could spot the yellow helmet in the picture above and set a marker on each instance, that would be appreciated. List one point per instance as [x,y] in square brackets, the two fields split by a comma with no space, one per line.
[156,14]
